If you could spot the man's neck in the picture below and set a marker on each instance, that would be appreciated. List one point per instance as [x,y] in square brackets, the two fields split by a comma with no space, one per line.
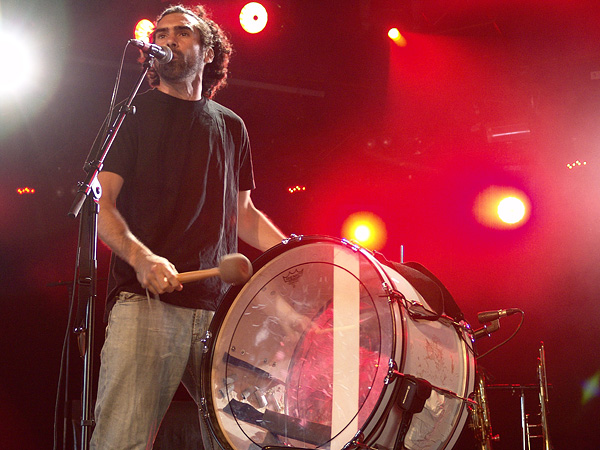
[184,91]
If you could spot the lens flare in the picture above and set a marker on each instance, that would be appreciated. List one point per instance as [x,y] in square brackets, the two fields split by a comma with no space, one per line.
[590,388]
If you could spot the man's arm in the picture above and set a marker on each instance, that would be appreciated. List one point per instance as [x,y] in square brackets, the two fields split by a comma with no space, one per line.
[254,228]
[155,273]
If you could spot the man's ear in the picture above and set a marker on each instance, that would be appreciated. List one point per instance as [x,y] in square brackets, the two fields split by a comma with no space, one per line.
[209,55]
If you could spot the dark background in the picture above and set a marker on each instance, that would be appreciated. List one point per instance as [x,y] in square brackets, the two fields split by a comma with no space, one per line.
[333,105]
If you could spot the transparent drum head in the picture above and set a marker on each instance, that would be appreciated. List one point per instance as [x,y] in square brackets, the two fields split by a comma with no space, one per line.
[300,356]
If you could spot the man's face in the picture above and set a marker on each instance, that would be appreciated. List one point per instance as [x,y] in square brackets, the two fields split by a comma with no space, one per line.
[176,32]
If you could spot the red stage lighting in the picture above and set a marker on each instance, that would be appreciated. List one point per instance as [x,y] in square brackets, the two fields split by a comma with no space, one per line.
[253,17]
[365,228]
[143,30]
[395,35]
[502,207]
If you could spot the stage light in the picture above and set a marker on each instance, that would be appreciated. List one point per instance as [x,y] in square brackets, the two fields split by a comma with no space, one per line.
[366,229]
[143,30]
[576,164]
[20,74]
[502,207]
[253,17]
[296,188]
[25,190]
[362,233]
[511,210]
[395,35]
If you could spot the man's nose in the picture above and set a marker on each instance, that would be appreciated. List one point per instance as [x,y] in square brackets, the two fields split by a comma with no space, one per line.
[171,41]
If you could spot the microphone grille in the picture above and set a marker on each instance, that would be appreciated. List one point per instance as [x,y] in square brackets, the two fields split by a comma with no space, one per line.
[168,55]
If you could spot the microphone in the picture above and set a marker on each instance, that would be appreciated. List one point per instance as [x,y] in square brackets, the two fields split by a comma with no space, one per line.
[490,316]
[162,54]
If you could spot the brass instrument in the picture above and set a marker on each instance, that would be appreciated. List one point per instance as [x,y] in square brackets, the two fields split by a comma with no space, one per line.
[543,397]
[480,416]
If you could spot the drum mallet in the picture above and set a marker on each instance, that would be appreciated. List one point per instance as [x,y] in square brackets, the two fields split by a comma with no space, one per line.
[234,268]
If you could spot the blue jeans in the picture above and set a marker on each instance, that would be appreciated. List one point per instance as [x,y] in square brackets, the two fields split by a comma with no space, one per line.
[150,347]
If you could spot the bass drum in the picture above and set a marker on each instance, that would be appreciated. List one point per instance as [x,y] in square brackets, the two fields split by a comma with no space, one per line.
[300,355]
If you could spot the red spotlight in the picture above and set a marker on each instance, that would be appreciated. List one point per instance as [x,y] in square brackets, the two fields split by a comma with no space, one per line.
[395,35]
[365,228]
[253,17]
[502,207]
[143,30]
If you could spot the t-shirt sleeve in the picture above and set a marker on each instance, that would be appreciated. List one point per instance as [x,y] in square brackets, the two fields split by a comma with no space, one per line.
[121,155]
[246,176]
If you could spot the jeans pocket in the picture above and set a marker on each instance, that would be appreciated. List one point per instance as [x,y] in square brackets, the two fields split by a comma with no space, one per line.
[129,297]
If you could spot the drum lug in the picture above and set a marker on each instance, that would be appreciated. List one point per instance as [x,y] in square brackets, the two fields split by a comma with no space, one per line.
[392,372]
[357,444]
[292,238]
[204,340]
[393,295]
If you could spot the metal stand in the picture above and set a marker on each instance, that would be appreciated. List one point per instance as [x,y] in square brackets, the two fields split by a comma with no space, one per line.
[87,198]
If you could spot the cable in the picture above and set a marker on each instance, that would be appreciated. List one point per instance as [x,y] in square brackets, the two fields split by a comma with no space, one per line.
[508,339]
[64,367]
[103,131]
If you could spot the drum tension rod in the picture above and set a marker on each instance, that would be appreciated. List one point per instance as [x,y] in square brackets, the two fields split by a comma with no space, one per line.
[392,294]
[357,444]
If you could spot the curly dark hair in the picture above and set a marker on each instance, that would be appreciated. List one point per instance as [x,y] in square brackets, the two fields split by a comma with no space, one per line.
[215,73]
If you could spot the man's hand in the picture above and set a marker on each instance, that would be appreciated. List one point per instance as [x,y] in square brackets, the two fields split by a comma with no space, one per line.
[157,274]
[154,273]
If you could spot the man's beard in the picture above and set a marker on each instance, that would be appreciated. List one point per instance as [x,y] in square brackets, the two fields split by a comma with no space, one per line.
[179,69]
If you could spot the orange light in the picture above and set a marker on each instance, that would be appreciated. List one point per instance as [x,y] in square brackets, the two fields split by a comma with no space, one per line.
[296,188]
[365,228]
[395,35]
[511,210]
[143,30]
[502,207]
[25,190]
[253,17]
[576,164]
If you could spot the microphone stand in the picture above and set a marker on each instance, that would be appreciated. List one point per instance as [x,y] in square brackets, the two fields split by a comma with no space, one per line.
[87,197]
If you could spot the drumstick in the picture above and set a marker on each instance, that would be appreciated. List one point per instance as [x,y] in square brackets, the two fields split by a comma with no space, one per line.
[234,268]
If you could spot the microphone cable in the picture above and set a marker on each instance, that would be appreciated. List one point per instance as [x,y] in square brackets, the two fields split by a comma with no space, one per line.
[522,314]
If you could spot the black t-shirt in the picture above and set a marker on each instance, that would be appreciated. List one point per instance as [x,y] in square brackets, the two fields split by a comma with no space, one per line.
[183,163]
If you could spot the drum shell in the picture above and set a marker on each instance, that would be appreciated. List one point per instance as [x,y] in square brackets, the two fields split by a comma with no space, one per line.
[433,350]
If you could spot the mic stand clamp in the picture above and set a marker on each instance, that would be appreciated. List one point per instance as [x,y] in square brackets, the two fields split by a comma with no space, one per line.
[486,330]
